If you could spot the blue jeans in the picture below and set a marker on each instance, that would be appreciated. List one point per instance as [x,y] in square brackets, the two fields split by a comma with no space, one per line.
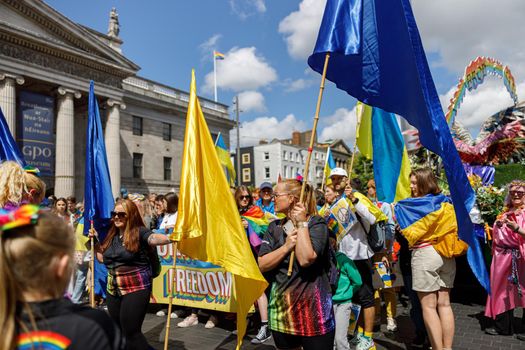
[80,282]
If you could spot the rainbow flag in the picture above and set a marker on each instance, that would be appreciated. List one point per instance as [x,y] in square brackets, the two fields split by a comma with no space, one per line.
[379,139]
[328,166]
[257,219]
[217,55]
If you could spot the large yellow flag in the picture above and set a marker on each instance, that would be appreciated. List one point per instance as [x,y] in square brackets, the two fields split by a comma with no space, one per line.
[208,225]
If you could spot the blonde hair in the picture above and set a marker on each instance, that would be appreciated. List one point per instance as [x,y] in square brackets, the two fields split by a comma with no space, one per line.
[28,256]
[294,186]
[15,182]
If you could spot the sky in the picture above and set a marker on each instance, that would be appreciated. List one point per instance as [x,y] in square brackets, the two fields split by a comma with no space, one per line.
[266,45]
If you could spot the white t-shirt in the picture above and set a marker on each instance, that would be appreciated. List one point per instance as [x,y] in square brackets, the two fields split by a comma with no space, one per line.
[169,220]
[355,244]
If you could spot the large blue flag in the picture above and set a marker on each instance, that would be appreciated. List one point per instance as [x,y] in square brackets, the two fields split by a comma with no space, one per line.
[8,147]
[98,198]
[376,55]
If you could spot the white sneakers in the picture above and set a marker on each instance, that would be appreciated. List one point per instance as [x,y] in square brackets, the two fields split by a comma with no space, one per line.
[212,322]
[391,324]
[162,313]
[190,321]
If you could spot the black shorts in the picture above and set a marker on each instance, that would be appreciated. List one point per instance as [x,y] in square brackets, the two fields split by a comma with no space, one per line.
[364,296]
[289,341]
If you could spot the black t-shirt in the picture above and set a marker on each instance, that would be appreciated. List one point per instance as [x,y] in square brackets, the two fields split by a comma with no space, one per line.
[117,255]
[302,303]
[60,324]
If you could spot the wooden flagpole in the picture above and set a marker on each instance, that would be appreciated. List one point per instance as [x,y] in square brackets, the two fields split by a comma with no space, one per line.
[310,148]
[92,267]
[170,291]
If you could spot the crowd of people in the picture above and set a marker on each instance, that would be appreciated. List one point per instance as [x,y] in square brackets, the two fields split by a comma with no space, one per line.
[323,276]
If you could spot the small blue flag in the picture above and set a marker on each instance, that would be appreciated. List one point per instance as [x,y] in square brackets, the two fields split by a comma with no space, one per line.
[8,147]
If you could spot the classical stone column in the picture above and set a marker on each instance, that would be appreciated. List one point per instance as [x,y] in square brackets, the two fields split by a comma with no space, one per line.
[8,98]
[65,143]
[112,138]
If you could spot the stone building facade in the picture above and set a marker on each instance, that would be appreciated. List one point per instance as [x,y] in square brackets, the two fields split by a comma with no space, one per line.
[46,63]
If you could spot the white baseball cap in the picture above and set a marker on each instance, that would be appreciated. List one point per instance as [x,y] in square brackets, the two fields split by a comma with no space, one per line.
[338,171]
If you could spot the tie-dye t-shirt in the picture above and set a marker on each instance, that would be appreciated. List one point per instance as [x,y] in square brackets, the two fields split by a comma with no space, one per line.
[302,303]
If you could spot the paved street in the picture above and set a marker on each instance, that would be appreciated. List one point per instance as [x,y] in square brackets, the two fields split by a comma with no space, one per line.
[469,335]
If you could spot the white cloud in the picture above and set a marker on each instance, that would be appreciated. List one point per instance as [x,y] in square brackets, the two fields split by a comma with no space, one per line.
[266,128]
[480,104]
[242,69]
[247,8]
[462,30]
[340,125]
[210,44]
[300,28]
[251,101]
[296,85]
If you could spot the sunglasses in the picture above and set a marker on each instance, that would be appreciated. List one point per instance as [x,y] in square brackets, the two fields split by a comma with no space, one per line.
[517,193]
[244,197]
[118,214]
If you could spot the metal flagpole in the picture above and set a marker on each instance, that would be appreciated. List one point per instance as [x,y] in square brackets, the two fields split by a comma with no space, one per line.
[215,75]
[311,147]
[171,290]
[238,142]
[359,112]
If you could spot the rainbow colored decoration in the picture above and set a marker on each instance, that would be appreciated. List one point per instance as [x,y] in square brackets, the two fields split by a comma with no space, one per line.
[475,74]
[45,340]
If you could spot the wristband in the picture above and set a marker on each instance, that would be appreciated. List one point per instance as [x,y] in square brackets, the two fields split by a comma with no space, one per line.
[354,202]
[302,224]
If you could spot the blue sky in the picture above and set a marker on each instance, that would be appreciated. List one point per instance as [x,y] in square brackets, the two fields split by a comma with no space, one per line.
[266,44]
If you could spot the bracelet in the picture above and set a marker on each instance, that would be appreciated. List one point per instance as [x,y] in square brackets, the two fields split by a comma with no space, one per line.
[302,224]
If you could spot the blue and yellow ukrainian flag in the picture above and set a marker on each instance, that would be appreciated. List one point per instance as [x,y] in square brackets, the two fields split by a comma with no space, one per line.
[224,158]
[425,218]
[379,139]
[328,166]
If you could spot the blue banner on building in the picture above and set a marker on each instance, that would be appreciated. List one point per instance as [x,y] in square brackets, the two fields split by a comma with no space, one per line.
[36,139]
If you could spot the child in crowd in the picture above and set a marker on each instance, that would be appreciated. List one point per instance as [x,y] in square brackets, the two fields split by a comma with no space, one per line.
[349,281]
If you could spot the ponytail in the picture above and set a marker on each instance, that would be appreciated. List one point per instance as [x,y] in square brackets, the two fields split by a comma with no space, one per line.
[294,187]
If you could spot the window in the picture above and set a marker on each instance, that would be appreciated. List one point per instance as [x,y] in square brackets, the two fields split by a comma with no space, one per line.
[285,155]
[266,155]
[167,168]
[246,158]
[137,126]
[291,156]
[316,156]
[246,175]
[267,172]
[137,165]
[166,131]
[285,172]
[297,157]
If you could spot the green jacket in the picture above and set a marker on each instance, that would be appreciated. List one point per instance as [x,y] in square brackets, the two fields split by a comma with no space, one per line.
[349,279]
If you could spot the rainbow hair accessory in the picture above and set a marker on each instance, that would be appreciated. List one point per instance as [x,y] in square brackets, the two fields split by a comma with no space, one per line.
[23,216]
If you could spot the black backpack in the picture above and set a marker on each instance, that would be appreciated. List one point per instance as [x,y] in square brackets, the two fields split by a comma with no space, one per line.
[376,236]
[154,262]
[333,270]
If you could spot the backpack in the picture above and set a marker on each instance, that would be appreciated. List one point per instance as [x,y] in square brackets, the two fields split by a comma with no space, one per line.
[333,270]
[154,261]
[377,235]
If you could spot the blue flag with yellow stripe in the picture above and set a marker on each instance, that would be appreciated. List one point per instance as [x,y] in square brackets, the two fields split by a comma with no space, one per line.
[224,158]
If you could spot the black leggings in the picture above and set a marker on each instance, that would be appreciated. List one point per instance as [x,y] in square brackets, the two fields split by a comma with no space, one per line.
[288,341]
[128,311]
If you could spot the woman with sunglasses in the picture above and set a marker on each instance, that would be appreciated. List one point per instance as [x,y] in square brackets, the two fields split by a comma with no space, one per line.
[247,209]
[300,309]
[125,253]
[507,273]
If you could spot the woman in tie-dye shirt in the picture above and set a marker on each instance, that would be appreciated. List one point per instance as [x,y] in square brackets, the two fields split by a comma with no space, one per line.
[300,308]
